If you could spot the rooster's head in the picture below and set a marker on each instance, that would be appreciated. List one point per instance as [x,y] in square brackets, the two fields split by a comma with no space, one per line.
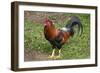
[47,22]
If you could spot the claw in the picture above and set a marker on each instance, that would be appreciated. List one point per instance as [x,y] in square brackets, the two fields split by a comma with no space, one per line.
[51,57]
[58,56]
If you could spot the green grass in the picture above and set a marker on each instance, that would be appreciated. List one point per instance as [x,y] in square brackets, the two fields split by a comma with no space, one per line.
[78,47]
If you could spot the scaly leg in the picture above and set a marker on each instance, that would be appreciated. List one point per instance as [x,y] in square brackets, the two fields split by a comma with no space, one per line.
[59,55]
[53,53]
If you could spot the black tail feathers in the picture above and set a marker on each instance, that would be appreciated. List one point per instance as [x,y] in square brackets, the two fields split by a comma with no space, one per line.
[73,22]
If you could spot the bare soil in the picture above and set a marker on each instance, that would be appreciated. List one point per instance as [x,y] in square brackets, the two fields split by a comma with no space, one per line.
[35,56]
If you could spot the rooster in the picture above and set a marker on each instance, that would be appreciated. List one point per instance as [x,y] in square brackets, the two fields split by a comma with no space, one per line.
[58,37]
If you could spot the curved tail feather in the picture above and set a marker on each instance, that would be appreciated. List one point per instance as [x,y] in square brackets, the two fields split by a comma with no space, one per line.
[73,22]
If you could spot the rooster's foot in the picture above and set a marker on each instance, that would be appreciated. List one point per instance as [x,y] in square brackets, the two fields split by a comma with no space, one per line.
[51,57]
[57,57]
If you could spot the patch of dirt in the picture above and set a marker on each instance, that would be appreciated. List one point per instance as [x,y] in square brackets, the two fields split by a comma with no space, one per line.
[35,56]
[39,17]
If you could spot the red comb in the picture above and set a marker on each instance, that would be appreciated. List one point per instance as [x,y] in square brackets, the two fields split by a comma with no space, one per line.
[47,21]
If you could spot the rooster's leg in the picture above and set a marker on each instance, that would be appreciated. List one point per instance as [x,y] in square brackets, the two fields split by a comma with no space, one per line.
[53,53]
[59,56]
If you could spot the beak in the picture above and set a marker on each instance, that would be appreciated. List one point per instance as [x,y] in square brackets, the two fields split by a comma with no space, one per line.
[45,24]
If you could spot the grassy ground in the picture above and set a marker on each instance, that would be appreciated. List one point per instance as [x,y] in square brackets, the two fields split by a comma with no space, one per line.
[77,48]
